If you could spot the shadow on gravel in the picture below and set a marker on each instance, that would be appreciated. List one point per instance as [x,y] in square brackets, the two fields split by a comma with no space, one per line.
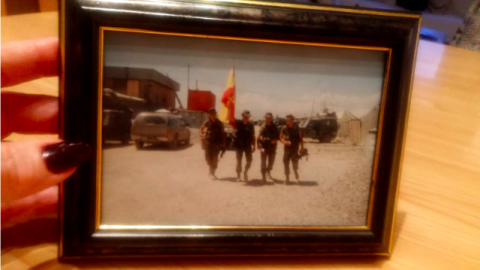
[297,183]
[159,147]
[229,179]
[280,182]
[303,183]
[258,183]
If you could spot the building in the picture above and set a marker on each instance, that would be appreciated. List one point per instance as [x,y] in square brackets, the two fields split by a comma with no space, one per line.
[350,128]
[158,91]
[200,100]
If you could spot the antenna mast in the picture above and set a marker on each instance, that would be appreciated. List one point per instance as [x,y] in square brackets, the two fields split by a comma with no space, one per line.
[313,106]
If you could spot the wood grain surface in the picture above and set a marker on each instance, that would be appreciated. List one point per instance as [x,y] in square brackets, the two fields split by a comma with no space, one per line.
[438,214]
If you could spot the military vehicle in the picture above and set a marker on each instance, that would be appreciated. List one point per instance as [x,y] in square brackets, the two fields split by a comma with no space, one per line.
[116,125]
[323,128]
[280,122]
[117,116]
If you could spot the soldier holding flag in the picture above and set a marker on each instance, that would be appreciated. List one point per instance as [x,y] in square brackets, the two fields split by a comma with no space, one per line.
[244,143]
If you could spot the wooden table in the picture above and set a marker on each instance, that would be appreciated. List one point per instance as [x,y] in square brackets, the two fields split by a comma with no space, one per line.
[438,218]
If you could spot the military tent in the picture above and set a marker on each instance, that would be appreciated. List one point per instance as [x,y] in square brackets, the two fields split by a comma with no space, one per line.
[350,128]
[370,120]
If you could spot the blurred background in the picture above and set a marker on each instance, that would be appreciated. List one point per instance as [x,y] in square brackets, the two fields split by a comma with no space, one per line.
[451,22]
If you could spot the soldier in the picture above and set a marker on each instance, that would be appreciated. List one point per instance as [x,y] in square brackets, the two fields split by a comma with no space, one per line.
[267,142]
[213,136]
[244,143]
[292,138]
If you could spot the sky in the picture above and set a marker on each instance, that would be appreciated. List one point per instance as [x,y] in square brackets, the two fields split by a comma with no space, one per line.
[278,78]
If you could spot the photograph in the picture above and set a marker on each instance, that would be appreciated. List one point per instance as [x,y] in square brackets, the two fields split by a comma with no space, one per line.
[203,131]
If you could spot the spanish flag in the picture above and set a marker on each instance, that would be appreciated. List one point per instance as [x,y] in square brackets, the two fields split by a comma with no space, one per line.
[227,113]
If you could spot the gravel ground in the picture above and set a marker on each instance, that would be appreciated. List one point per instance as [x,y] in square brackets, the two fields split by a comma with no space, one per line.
[158,186]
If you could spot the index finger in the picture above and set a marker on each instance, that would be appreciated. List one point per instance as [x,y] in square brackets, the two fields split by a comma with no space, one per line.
[28,60]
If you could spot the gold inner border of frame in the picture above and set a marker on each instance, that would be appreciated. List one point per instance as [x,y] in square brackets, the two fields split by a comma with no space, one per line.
[98,226]
[61,118]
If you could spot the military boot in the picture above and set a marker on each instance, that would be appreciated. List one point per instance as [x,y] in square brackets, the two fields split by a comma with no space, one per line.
[264,179]
[245,176]
[212,174]
[296,174]
[287,177]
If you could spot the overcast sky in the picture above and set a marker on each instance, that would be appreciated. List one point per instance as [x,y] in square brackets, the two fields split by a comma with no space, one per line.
[278,78]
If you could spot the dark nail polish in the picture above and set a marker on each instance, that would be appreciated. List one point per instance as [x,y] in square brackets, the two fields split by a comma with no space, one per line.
[63,156]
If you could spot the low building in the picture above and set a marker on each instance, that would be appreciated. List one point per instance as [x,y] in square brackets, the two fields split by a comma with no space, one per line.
[158,91]
[200,100]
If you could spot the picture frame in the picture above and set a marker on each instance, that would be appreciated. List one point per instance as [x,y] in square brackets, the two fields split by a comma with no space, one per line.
[83,24]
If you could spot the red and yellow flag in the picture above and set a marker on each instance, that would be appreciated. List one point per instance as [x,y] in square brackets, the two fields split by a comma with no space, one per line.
[227,112]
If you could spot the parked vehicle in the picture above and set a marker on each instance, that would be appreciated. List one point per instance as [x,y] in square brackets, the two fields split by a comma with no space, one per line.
[323,128]
[260,122]
[116,101]
[160,128]
[194,118]
[116,125]
[280,122]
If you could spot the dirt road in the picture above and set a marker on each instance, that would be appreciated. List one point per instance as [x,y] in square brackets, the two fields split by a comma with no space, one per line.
[158,186]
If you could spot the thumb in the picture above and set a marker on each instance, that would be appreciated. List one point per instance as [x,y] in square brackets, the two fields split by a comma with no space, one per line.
[29,167]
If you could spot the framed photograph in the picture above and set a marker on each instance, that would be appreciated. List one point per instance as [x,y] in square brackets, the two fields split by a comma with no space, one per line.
[233,127]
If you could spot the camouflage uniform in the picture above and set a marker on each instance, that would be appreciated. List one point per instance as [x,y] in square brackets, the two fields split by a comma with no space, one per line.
[267,134]
[244,139]
[291,134]
[214,141]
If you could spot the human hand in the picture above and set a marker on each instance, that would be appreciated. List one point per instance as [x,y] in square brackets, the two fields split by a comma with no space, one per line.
[31,170]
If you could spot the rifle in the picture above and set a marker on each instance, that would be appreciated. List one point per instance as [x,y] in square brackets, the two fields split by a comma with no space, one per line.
[303,153]
[222,151]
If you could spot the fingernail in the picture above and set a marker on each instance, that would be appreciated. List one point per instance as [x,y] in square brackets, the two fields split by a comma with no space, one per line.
[63,156]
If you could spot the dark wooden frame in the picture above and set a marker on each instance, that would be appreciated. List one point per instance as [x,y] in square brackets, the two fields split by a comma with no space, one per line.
[80,24]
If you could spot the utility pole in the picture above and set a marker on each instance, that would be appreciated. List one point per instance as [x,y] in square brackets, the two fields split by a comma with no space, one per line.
[313,106]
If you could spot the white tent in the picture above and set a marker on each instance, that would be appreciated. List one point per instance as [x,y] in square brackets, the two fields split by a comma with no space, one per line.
[370,120]
[350,128]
